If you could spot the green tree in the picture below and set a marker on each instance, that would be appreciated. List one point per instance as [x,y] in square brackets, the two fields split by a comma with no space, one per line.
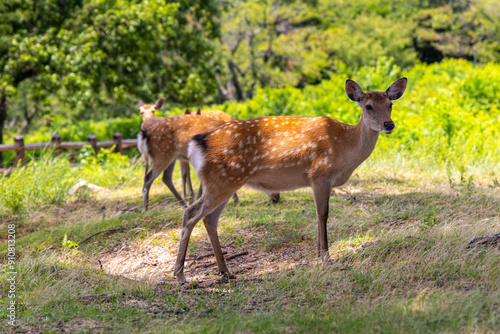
[94,53]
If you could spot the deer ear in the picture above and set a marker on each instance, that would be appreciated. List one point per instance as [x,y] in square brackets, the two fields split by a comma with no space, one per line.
[198,112]
[158,104]
[396,90]
[141,103]
[354,91]
[187,112]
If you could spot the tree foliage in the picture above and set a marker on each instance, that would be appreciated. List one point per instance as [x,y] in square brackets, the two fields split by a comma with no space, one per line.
[95,59]
[86,54]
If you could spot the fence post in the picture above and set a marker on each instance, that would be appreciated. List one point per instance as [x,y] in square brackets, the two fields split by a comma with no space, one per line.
[19,149]
[117,137]
[92,139]
[56,143]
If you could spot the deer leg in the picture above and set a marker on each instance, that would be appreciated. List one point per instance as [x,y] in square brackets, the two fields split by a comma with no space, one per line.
[192,215]
[146,169]
[215,198]
[321,192]
[200,191]
[167,179]
[211,221]
[148,181]
[236,199]
[186,179]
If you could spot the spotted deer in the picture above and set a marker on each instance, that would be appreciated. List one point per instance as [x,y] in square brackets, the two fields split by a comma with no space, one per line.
[165,140]
[223,116]
[217,114]
[148,111]
[283,153]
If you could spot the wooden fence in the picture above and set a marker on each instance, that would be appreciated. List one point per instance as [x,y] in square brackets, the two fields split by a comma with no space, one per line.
[20,147]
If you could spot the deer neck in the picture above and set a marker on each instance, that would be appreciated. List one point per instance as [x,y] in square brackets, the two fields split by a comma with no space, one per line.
[364,140]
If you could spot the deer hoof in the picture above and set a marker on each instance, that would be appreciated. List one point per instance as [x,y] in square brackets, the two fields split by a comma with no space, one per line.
[275,197]
[228,275]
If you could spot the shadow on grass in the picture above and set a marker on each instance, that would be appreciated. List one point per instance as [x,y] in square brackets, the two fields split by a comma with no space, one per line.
[399,263]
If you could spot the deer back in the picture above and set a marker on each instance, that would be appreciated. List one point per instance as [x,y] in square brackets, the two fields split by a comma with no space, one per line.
[169,136]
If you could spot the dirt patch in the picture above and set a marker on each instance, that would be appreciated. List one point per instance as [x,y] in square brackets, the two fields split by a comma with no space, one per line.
[77,325]
[156,264]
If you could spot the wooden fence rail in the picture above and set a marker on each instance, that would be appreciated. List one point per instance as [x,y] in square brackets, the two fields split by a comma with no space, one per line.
[20,147]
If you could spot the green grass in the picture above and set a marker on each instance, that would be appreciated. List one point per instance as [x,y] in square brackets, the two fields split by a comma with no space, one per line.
[399,260]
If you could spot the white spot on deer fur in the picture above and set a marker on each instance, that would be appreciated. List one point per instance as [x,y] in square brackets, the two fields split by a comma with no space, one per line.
[196,156]
[224,151]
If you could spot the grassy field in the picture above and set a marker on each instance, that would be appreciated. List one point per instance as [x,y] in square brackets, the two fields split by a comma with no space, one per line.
[398,236]
[398,232]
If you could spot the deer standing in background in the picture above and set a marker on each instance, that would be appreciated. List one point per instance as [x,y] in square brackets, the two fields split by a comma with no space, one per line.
[164,140]
[148,111]
[282,153]
[217,114]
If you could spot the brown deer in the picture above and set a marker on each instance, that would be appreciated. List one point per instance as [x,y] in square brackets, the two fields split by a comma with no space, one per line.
[223,116]
[164,140]
[282,153]
[217,114]
[148,111]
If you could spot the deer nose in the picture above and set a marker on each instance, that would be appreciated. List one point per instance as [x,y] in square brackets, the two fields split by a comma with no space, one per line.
[389,126]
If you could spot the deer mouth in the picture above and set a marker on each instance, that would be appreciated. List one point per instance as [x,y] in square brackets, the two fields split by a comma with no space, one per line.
[387,132]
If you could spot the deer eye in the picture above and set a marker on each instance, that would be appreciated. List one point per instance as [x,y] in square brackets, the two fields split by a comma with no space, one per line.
[369,107]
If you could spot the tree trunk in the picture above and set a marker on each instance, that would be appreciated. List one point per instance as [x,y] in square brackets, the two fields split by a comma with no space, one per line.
[28,117]
[3,118]
[234,79]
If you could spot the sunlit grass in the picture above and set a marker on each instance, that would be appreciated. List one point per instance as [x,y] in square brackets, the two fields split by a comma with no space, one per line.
[398,246]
